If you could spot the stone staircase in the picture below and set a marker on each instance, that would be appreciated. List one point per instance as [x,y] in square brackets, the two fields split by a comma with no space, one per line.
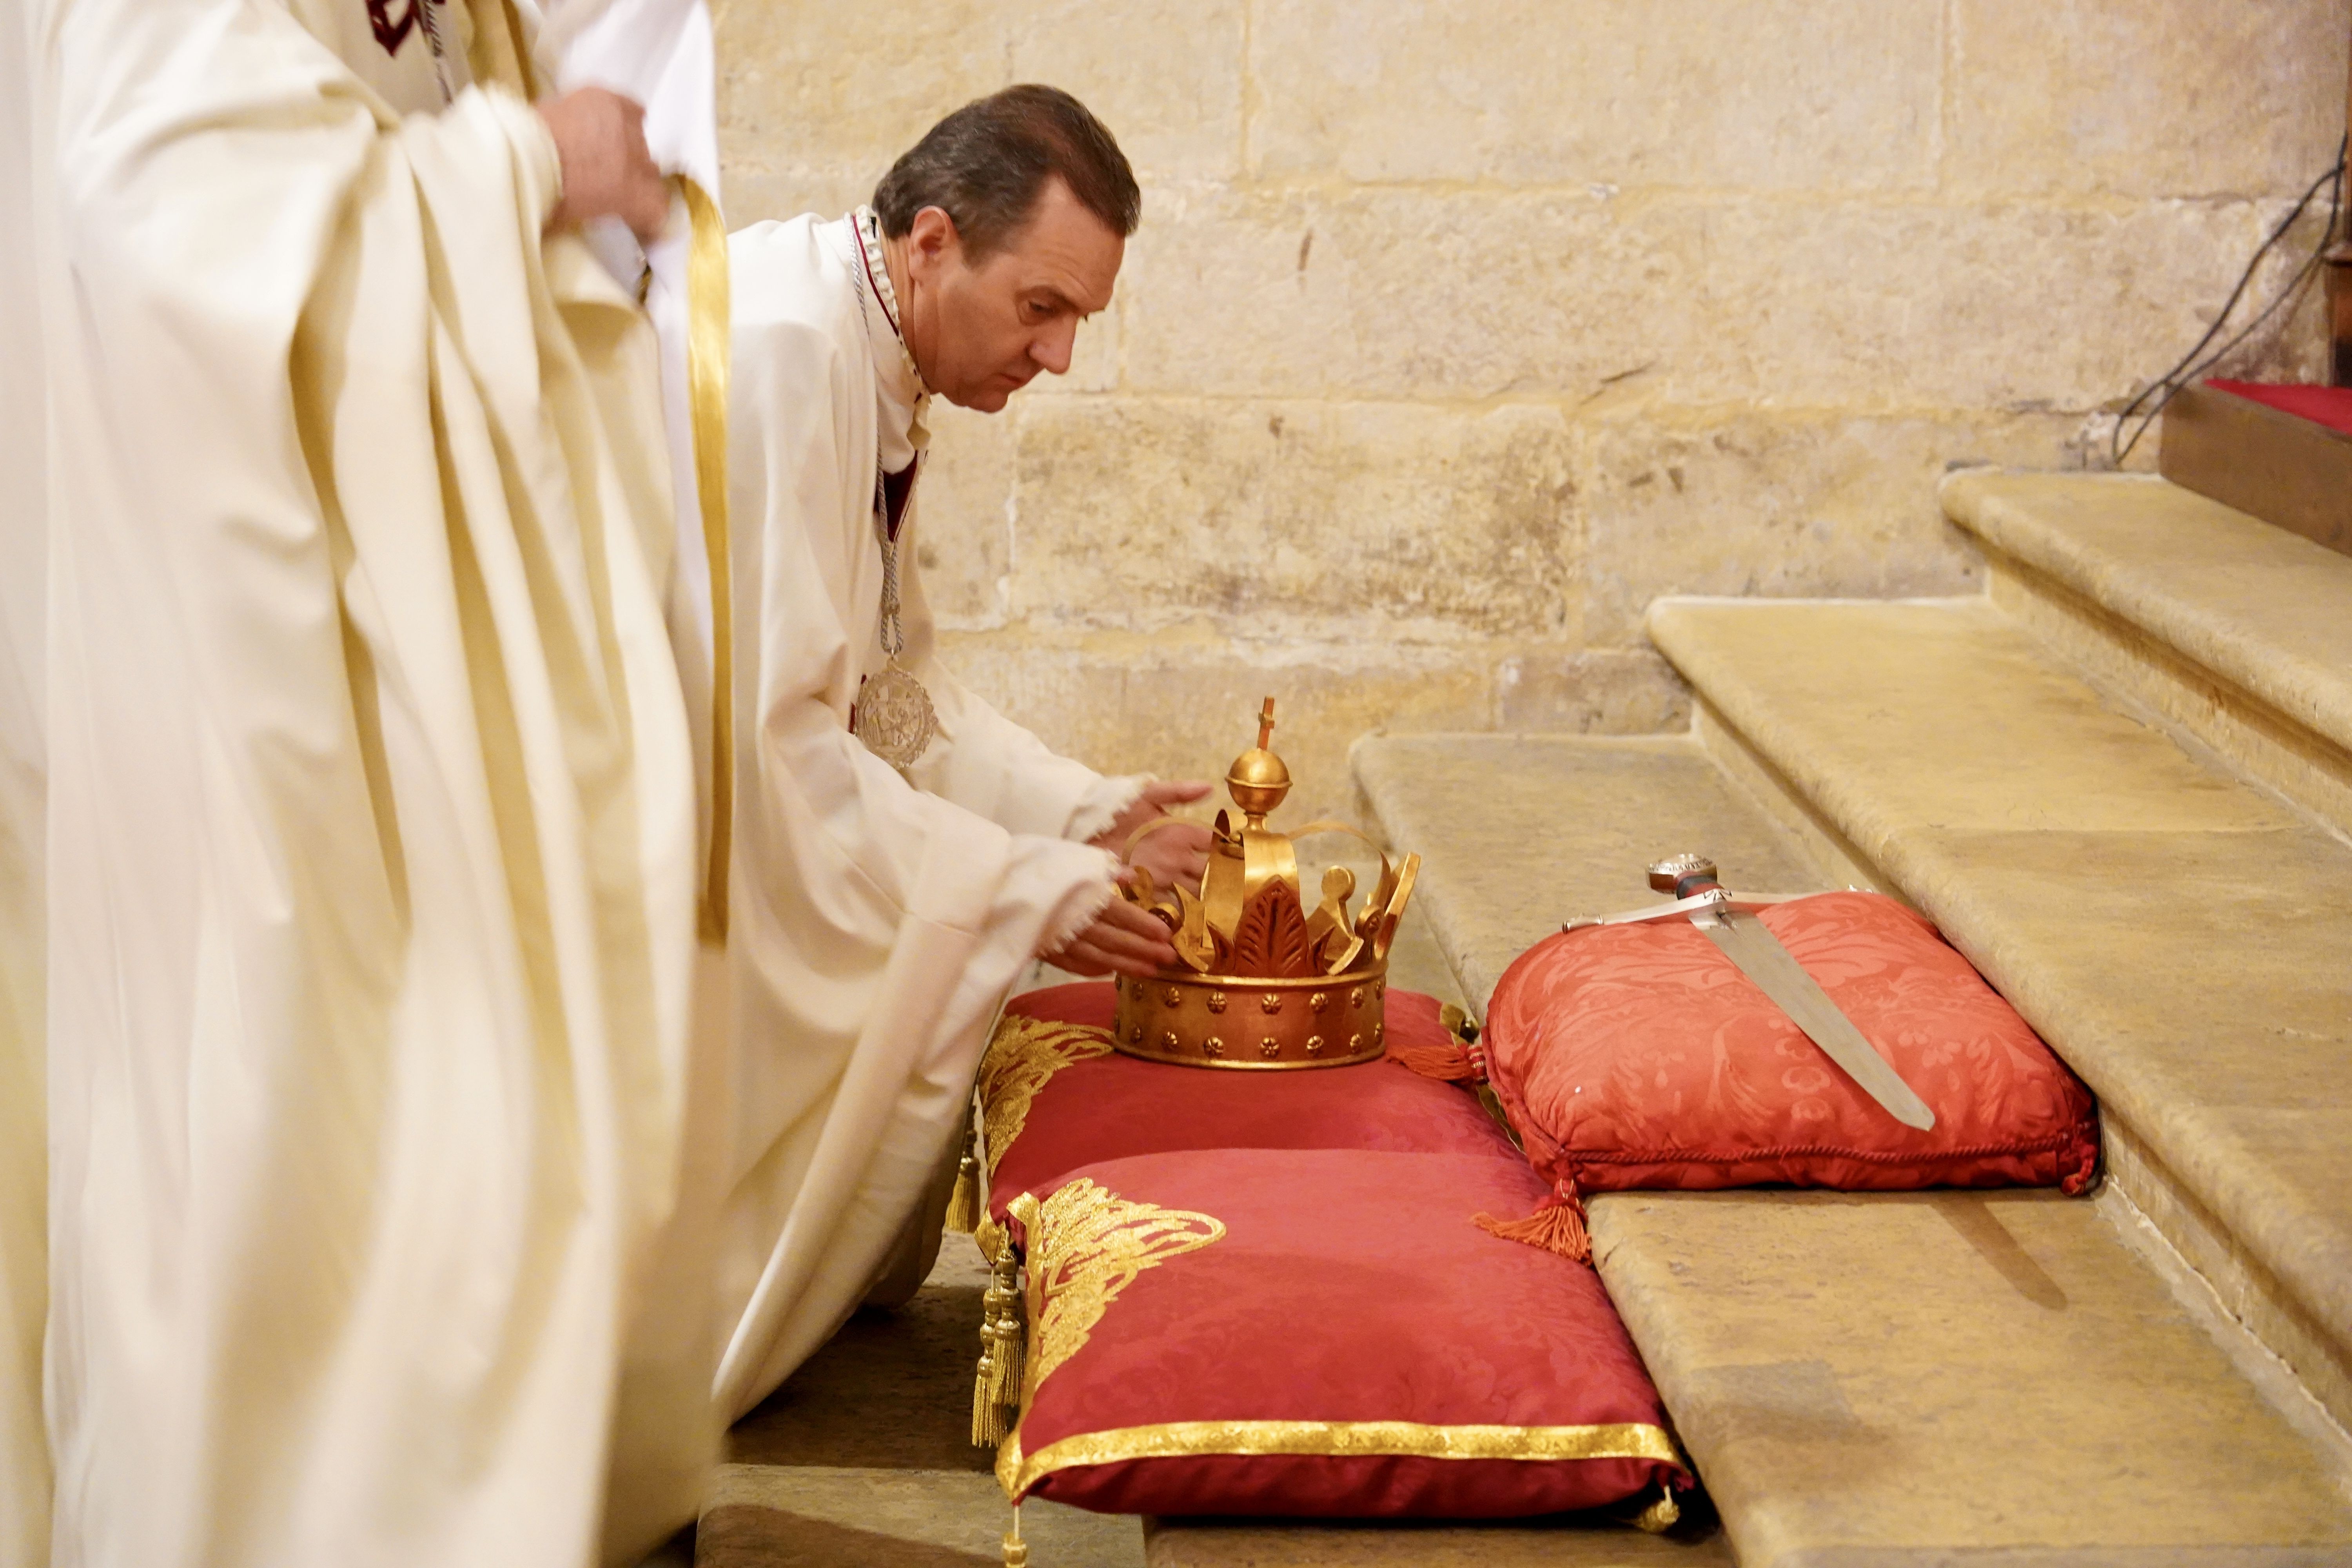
[2121,782]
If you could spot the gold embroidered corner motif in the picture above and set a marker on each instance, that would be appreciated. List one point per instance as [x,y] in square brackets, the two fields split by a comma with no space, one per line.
[1022,1059]
[1087,1243]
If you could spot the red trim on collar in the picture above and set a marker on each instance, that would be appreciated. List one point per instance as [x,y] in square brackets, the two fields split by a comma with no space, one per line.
[866,260]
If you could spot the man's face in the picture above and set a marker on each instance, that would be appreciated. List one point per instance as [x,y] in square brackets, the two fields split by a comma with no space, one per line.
[979,333]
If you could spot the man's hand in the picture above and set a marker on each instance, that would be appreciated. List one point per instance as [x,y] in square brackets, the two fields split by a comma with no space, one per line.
[600,139]
[1173,855]
[1123,938]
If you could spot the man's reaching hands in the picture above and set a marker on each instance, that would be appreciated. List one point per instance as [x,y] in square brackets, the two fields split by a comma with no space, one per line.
[1124,939]
[1173,855]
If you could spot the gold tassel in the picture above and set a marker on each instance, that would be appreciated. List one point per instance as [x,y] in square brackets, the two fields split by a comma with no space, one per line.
[1012,1340]
[1662,1515]
[964,1203]
[967,1205]
[984,1412]
[1013,1351]
[996,1383]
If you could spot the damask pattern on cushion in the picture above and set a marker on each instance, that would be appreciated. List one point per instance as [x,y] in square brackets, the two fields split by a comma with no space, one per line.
[1094,1105]
[1318,1332]
[1639,1056]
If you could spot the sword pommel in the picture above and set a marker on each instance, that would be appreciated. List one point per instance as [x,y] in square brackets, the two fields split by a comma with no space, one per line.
[1682,875]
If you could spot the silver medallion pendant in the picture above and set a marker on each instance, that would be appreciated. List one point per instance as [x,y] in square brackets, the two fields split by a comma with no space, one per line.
[894,716]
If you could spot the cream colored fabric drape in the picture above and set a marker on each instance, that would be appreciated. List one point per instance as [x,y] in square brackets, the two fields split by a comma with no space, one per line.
[666,1431]
[658,53]
[878,923]
[372,813]
[24,1150]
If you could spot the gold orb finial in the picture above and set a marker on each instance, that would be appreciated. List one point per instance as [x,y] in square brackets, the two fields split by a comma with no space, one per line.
[1258,780]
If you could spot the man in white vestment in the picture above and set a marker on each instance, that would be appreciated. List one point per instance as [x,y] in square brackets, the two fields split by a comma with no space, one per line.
[902,851]
[372,808]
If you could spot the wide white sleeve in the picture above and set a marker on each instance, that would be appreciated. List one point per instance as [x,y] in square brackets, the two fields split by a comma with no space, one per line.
[986,762]
[793,488]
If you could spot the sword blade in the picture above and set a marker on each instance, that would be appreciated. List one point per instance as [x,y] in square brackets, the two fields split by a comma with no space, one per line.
[1750,944]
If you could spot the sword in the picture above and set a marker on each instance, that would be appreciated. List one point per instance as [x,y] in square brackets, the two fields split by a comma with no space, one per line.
[1728,921]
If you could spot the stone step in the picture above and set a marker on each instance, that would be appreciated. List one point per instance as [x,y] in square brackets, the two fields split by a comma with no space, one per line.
[1307,1543]
[2232,631]
[2179,938]
[2014,1379]
[863,1457]
[1518,834]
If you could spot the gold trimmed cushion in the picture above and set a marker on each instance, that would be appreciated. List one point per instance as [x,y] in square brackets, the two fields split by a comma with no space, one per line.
[1053,1098]
[1319,1333]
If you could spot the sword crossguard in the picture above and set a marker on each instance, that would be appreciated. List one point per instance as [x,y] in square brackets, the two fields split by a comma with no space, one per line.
[1697,895]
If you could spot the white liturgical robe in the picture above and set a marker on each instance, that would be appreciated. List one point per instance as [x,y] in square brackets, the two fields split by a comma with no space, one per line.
[24,1153]
[879,920]
[665,1432]
[372,808]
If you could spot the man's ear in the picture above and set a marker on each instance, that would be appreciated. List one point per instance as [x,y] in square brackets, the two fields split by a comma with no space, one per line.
[932,241]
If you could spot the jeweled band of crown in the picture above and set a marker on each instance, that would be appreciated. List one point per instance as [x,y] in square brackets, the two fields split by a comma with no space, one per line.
[1261,983]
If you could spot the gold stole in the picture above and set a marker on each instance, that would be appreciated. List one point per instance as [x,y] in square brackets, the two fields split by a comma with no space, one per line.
[706,342]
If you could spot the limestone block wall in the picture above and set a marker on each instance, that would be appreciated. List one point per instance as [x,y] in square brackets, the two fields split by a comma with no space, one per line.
[1459,329]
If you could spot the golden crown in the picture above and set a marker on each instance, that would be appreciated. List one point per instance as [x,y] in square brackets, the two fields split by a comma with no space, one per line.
[1263,982]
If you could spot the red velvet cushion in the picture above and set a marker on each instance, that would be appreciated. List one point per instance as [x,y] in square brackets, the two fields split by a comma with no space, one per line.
[1639,1057]
[2328,406]
[1332,1305]
[1106,1107]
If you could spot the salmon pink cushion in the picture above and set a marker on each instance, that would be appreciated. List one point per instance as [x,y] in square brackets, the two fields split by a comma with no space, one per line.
[1319,1332]
[1639,1057]
[1055,1097]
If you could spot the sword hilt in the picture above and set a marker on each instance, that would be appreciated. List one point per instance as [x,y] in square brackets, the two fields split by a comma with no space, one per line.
[1683,875]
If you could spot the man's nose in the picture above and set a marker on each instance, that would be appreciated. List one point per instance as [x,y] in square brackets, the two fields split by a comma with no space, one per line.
[1052,347]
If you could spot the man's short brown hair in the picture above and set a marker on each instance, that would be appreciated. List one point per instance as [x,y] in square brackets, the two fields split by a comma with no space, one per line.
[986,165]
